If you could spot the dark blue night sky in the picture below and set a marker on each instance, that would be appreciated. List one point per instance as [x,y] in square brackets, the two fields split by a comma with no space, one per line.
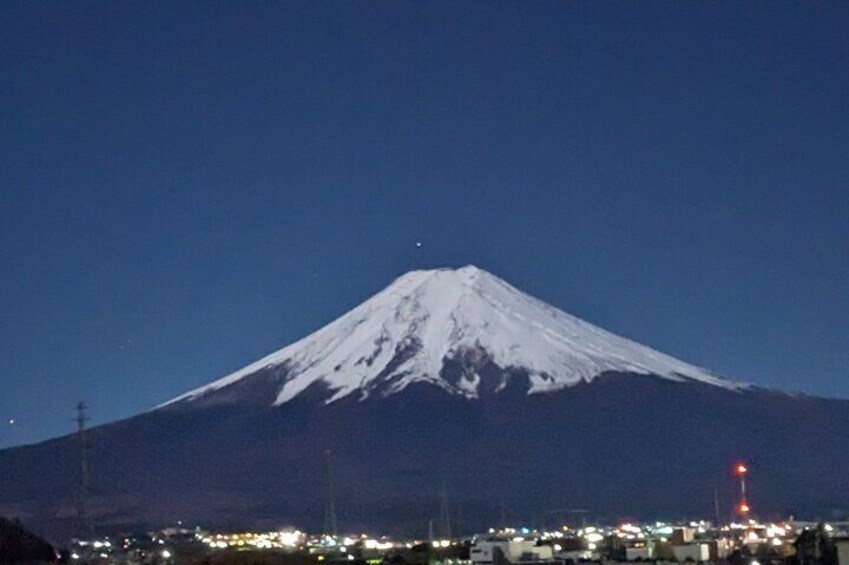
[185,187]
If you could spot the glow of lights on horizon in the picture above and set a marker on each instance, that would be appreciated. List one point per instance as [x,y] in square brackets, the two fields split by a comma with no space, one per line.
[326,548]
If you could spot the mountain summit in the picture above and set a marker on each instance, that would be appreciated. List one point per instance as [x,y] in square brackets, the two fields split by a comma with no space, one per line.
[463,330]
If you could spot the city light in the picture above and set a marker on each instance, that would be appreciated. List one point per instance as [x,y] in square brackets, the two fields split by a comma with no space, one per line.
[687,539]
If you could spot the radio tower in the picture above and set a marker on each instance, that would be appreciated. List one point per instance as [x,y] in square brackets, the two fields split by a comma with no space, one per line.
[743,507]
[82,486]
[330,523]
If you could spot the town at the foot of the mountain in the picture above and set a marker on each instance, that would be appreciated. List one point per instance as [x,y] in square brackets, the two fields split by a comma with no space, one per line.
[745,540]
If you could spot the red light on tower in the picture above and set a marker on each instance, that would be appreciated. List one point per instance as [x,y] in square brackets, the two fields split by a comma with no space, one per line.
[743,508]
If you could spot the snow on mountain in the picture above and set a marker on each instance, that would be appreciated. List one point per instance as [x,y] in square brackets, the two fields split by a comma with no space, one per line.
[405,333]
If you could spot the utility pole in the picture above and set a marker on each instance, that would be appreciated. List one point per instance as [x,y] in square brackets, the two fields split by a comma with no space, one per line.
[82,486]
[330,522]
[716,507]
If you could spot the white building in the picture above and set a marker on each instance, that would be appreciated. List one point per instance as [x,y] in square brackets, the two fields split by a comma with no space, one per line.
[644,553]
[842,550]
[691,551]
[498,551]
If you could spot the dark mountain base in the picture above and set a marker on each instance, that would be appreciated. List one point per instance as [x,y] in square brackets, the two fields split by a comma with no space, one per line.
[17,545]
[621,446]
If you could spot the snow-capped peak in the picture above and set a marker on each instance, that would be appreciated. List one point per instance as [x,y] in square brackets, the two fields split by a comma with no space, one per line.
[408,331]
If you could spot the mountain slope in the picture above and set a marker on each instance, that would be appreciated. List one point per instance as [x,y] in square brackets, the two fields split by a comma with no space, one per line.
[446,379]
[425,319]
[622,445]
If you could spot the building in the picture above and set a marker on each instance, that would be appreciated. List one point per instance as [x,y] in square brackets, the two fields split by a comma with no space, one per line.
[641,549]
[842,550]
[697,552]
[500,551]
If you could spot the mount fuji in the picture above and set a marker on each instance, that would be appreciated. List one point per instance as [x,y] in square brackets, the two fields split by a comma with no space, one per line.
[464,331]
[447,381]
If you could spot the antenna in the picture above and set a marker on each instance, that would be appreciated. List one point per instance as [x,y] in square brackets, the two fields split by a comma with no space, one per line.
[330,523]
[82,486]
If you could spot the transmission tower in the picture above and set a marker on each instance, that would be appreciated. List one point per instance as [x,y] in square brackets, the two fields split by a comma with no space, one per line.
[330,522]
[444,513]
[83,484]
